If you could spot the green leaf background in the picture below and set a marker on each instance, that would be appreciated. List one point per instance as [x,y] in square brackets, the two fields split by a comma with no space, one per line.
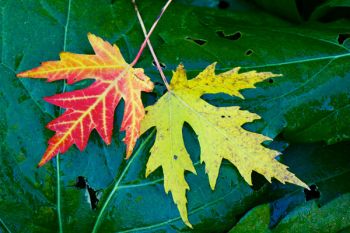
[307,112]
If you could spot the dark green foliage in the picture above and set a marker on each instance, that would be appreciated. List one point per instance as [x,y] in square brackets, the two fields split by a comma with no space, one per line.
[310,103]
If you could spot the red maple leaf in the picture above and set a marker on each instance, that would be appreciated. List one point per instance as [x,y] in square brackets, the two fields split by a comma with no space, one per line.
[93,107]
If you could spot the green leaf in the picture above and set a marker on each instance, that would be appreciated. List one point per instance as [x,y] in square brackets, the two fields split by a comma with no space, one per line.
[304,10]
[46,199]
[314,89]
[329,7]
[328,169]
[286,9]
[311,98]
[332,217]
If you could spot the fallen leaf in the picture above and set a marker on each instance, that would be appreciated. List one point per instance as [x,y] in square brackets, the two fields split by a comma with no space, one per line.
[219,131]
[93,107]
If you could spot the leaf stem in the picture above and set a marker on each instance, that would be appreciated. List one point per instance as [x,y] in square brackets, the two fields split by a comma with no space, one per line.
[149,41]
[59,194]
[2,223]
[58,172]
[58,157]
[150,33]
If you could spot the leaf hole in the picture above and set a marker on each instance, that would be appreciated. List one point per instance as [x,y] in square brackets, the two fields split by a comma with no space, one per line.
[248,52]
[234,36]
[175,157]
[197,41]
[81,183]
[223,5]
[160,63]
[258,181]
[93,197]
[313,193]
[222,116]
[342,37]
[158,83]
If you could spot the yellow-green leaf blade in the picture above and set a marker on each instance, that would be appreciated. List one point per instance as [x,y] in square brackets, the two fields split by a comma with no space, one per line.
[169,151]
[219,131]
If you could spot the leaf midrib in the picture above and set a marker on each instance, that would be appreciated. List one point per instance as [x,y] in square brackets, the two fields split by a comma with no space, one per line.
[179,218]
[299,61]
[217,69]
[117,183]
[101,99]
[329,114]
[287,94]
[4,226]
[323,179]
[59,211]
[296,61]
[183,102]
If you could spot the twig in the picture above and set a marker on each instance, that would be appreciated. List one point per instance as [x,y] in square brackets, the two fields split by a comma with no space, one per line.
[149,42]
[147,36]
[150,33]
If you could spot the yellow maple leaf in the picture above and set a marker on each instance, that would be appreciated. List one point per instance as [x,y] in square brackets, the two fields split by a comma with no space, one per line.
[219,131]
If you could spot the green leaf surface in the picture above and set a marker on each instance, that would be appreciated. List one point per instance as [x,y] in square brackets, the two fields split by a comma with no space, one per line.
[328,169]
[306,218]
[286,9]
[29,196]
[331,7]
[313,95]
[306,105]
[304,10]
[325,167]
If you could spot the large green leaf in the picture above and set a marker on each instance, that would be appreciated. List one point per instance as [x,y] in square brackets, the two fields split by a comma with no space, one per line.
[324,209]
[333,217]
[286,9]
[315,86]
[46,199]
[299,10]
[333,8]
[312,96]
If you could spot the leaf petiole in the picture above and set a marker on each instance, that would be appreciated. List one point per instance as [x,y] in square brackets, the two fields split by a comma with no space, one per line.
[148,42]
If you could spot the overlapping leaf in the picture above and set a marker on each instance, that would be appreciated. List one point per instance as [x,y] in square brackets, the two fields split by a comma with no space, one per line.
[218,128]
[310,217]
[93,107]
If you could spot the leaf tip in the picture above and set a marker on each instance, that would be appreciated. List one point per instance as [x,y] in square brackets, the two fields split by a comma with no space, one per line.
[180,66]
[302,184]
[90,35]
[42,162]
[22,74]
[128,155]
[49,99]
[188,224]
[212,185]
[93,38]
[239,95]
